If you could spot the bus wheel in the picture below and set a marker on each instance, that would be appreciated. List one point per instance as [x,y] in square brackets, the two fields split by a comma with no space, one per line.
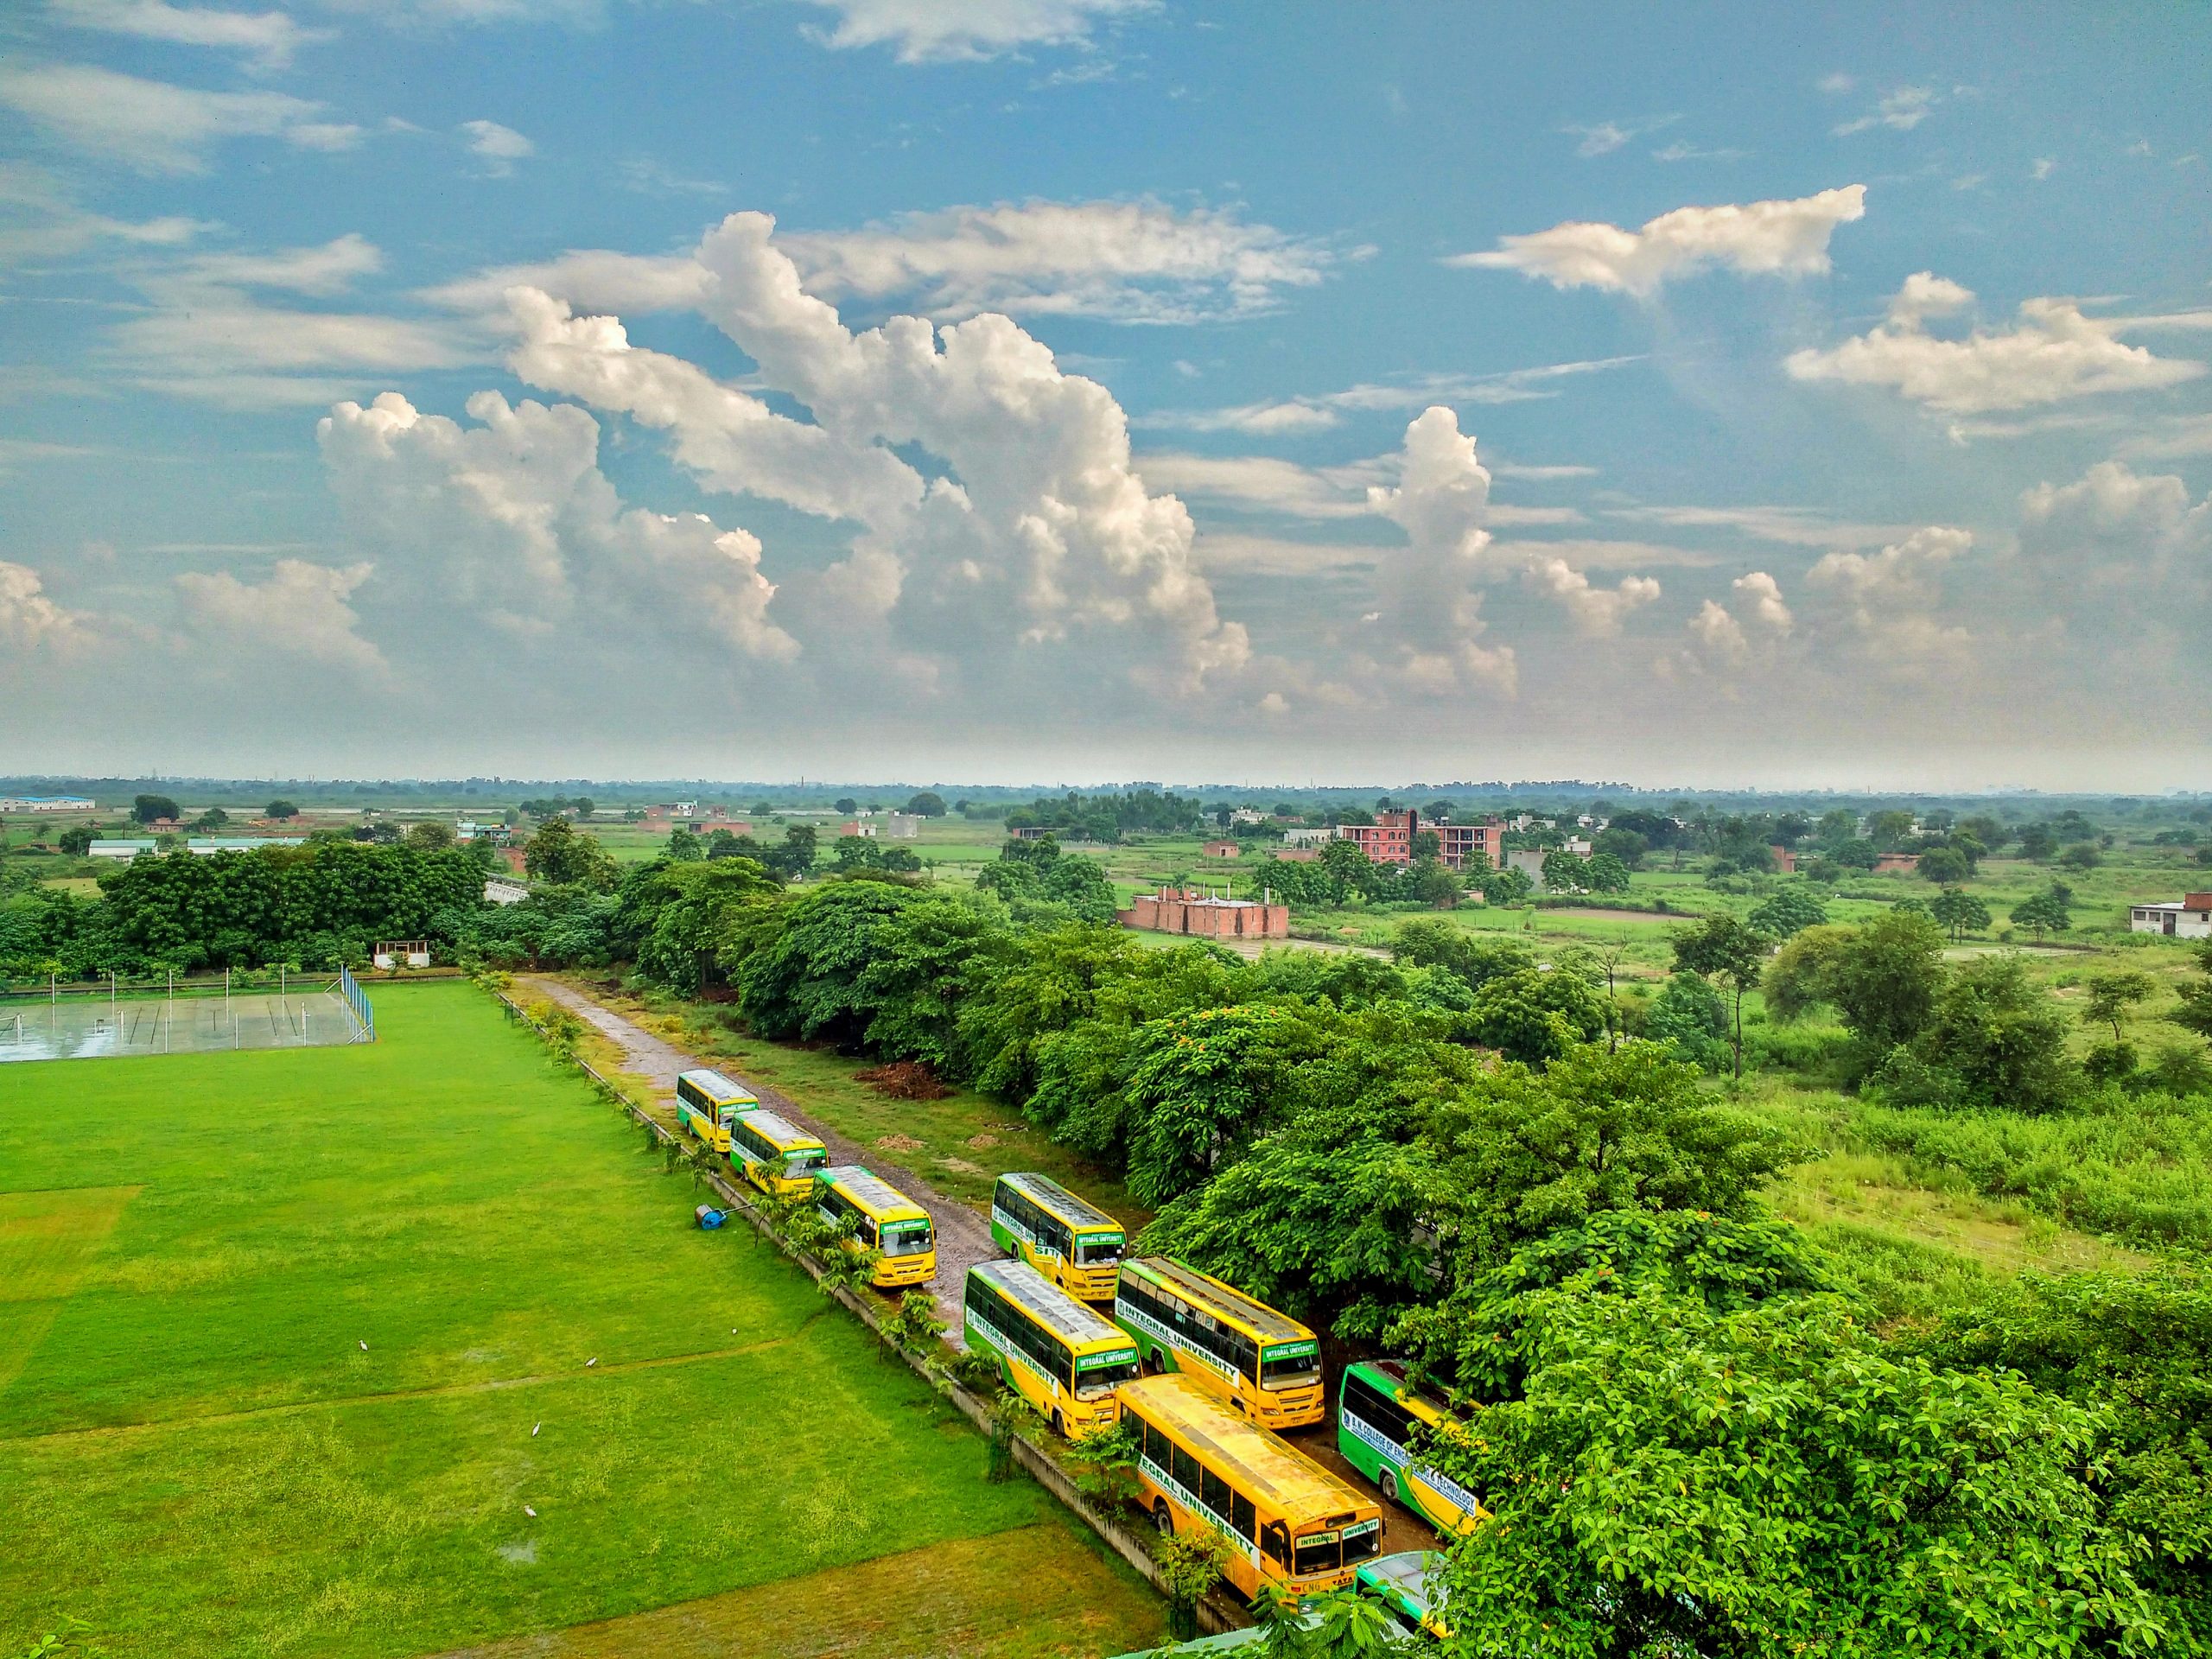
[1388,1483]
[1060,1424]
[1151,1365]
[1163,1519]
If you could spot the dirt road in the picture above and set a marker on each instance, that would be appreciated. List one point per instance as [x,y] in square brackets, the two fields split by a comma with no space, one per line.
[963,1236]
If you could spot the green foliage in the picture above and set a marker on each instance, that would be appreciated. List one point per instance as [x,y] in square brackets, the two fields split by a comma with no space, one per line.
[2046,912]
[1034,876]
[1959,912]
[1474,958]
[2111,995]
[803,978]
[280,810]
[1882,979]
[149,809]
[1674,1479]
[2195,1013]
[2000,1038]
[1724,949]
[1690,1013]
[1506,887]
[1201,1086]
[1606,873]
[1533,1016]
[1947,866]
[561,854]
[926,804]
[1788,911]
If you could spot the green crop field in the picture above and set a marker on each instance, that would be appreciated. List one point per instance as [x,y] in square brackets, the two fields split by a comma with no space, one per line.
[293,1342]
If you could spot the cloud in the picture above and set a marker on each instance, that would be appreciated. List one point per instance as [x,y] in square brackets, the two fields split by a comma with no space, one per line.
[1597,613]
[207,336]
[1900,111]
[1127,261]
[941,31]
[1607,137]
[39,220]
[1889,599]
[1259,481]
[300,612]
[1724,646]
[1681,151]
[2044,166]
[154,126]
[2113,523]
[1318,411]
[1430,590]
[267,38]
[29,620]
[1759,237]
[510,526]
[2052,353]
[1792,526]
[498,148]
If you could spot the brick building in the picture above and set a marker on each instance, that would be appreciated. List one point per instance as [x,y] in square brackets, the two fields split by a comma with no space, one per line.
[1185,910]
[1390,839]
[1222,849]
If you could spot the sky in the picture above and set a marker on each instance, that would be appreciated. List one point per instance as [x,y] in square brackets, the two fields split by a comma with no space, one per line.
[1020,389]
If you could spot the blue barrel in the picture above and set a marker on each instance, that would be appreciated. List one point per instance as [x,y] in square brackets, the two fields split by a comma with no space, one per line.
[710,1218]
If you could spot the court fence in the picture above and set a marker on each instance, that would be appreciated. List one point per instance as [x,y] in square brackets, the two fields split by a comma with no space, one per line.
[365,1011]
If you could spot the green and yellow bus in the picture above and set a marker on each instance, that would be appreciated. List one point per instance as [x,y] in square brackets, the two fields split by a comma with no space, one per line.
[885,1219]
[774,1153]
[1379,1412]
[1288,1521]
[1410,1586]
[705,1103]
[1264,1363]
[1063,1358]
[1075,1245]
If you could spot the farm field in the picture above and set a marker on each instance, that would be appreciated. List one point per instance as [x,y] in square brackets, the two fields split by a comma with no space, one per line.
[290,1376]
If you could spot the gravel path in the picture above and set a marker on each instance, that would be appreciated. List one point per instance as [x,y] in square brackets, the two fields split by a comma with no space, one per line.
[964,1237]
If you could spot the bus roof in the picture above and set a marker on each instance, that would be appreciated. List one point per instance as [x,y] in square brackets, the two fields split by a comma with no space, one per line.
[1258,1459]
[872,1193]
[716,1086]
[1393,1372]
[1047,1193]
[1409,1570]
[1054,1308]
[1266,1323]
[779,1130]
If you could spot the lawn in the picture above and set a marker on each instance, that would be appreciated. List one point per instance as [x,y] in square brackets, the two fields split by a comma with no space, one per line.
[293,1342]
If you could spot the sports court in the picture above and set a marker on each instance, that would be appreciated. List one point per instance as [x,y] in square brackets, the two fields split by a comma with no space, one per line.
[81,1026]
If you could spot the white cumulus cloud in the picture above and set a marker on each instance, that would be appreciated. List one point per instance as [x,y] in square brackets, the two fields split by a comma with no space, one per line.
[1597,613]
[1429,621]
[300,611]
[936,31]
[498,148]
[1787,238]
[2051,354]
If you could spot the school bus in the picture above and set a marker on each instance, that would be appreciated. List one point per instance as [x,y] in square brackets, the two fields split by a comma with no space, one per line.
[1075,1245]
[705,1103]
[886,1219]
[1262,1363]
[1064,1357]
[1378,1413]
[774,1153]
[1289,1521]
[1410,1586]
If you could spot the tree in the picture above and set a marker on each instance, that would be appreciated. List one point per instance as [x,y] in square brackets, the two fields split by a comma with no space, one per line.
[1604,873]
[1882,978]
[1507,886]
[1959,912]
[2195,1013]
[1201,1086]
[1565,873]
[212,820]
[2082,855]
[928,803]
[1536,1017]
[1477,959]
[2046,912]
[1626,845]
[562,854]
[2111,995]
[1996,1041]
[1532,1151]
[845,805]
[1773,1480]
[76,841]
[1788,911]
[431,835]
[149,809]
[1724,949]
[1689,1013]
[1946,866]
[683,847]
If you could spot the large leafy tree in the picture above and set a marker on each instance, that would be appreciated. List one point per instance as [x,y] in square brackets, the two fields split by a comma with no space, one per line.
[1882,978]
[1629,1129]
[1534,1017]
[1788,911]
[1669,1479]
[802,978]
[927,961]
[566,856]
[1203,1084]
[1721,948]
[2001,1038]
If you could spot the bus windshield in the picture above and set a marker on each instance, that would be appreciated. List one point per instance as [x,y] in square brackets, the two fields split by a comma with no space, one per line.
[1097,1378]
[907,1238]
[1098,1251]
[806,1162]
[1318,1552]
[1293,1369]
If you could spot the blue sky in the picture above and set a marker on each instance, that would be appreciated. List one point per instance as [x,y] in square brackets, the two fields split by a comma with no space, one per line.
[1700,395]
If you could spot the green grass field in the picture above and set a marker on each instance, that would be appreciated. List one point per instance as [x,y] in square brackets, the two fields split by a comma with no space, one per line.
[199,1456]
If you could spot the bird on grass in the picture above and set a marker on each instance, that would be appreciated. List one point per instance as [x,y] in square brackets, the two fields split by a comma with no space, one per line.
[531,1513]
[534,1428]
[365,1347]
[592,1361]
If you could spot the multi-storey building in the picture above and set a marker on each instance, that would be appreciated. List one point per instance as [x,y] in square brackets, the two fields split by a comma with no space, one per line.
[1390,839]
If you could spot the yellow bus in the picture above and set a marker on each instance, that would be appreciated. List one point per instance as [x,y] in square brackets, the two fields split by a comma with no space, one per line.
[1075,1245]
[705,1103]
[1288,1521]
[774,1153]
[1262,1363]
[886,1220]
[1063,1358]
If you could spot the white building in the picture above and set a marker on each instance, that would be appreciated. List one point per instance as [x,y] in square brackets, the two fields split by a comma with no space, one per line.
[122,849]
[1247,815]
[499,892]
[1308,837]
[44,804]
[201,846]
[2189,918]
[902,826]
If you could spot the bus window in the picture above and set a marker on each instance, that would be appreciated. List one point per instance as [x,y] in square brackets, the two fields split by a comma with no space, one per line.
[1098,1252]
[1291,1371]
[1213,1492]
[907,1238]
[805,1162]
[1319,1552]
[1362,1541]
[1096,1381]
[1274,1538]
[1241,1515]
[1185,1468]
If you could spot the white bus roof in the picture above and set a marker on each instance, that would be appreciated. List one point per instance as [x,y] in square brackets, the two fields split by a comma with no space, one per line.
[1079,1212]
[715,1085]
[1058,1312]
[769,1127]
[864,1187]
[1198,1287]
